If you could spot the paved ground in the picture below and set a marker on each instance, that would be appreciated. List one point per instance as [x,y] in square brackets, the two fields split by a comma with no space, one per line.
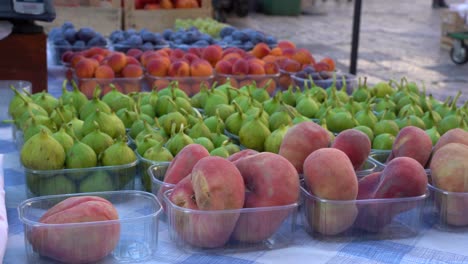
[398,38]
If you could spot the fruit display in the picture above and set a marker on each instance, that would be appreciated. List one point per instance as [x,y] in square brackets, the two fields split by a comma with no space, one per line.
[78,244]
[190,69]
[68,38]
[123,40]
[204,25]
[98,67]
[324,78]
[166,4]
[91,227]
[216,198]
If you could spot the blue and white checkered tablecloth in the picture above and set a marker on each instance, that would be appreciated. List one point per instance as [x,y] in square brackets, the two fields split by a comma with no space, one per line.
[430,246]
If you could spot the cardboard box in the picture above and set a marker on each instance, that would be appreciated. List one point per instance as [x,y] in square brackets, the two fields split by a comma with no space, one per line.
[157,20]
[453,18]
[104,18]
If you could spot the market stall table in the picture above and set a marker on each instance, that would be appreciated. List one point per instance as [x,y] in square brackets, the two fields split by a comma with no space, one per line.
[430,246]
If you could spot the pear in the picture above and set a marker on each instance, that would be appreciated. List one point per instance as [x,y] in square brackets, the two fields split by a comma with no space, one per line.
[386,127]
[232,148]
[260,94]
[172,89]
[150,131]
[234,122]
[366,130]
[127,117]
[289,96]
[253,133]
[387,114]
[450,122]
[116,100]
[63,138]
[118,153]
[339,121]
[366,118]
[105,122]
[147,109]
[200,129]
[146,143]
[199,99]
[221,151]
[33,130]
[433,134]
[274,140]
[80,155]
[90,106]
[385,103]
[158,153]
[308,107]
[165,105]
[76,126]
[75,97]
[383,141]
[381,89]
[62,114]
[279,119]
[212,101]
[25,111]
[218,139]
[35,120]
[99,181]
[18,99]
[97,140]
[215,124]
[254,112]
[178,141]
[431,118]
[362,93]
[42,152]
[166,121]
[205,142]
[150,98]
[46,101]
[225,111]
[272,105]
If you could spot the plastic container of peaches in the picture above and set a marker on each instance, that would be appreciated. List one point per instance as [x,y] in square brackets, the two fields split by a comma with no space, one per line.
[132,238]
[267,81]
[230,231]
[368,219]
[156,172]
[190,85]
[57,51]
[447,211]
[124,85]
[380,157]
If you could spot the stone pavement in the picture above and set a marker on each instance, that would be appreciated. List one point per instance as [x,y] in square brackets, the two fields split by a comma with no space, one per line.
[398,38]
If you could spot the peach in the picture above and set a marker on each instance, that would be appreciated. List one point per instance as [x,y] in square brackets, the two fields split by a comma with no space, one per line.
[402,177]
[158,66]
[242,154]
[232,55]
[276,52]
[176,54]
[179,68]
[98,57]
[261,50]
[330,62]
[271,68]
[269,84]
[95,51]
[117,61]
[160,84]
[270,180]
[289,53]
[183,162]
[240,67]
[355,144]
[286,44]
[223,67]
[328,218]
[269,58]
[201,68]
[82,243]
[329,174]
[132,71]
[290,65]
[67,56]
[104,72]
[195,51]
[212,54]
[285,81]
[146,56]
[214,184]
[75,58]
[322,66]
[301,140]
[239,51]
[255,68]
[412,142]
[87,87]
[456,135]
[303,56]
[449,173]
[190,57]
[85,68]
[136,53]
[368,185]
[132,60]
